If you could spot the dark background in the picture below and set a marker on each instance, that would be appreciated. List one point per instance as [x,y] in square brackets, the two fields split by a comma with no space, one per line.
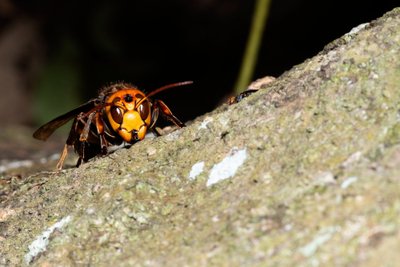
[55,55]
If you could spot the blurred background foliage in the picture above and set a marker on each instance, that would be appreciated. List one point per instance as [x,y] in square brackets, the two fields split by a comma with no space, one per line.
[55,55]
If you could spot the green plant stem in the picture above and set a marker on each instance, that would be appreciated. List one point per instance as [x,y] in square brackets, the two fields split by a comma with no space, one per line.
[249,60]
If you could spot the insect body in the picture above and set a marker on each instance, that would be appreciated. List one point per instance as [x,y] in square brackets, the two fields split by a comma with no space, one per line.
[120,114]
[238,98]
[253,87]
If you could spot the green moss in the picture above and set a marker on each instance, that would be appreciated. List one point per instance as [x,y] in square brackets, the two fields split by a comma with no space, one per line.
[393,135]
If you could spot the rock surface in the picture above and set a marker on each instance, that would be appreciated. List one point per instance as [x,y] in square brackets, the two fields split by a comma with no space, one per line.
[305,172]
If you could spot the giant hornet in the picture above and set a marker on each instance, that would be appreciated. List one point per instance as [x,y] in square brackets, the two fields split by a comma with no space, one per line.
[120,114]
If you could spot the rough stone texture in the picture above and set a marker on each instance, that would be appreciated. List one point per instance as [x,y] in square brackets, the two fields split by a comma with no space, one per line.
[310,170]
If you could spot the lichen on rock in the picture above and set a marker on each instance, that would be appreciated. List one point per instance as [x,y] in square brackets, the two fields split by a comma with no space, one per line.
[319,184]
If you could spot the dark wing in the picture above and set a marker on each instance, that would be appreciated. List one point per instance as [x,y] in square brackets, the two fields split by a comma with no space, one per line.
[48,129]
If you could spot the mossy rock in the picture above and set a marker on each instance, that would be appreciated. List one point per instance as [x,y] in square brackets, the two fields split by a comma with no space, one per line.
[304,172]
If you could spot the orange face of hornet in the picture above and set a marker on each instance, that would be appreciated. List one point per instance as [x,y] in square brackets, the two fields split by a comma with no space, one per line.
[120,114]
[128,112]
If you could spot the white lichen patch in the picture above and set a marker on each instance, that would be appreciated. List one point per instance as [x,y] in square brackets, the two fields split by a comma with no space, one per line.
[322,237]
[354,158]
[204,123]
[358,28]
[196,170]
[227,167]
[324,178]
[40,243]
[173,135]
[151,151]
[346,183]
[224,119]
